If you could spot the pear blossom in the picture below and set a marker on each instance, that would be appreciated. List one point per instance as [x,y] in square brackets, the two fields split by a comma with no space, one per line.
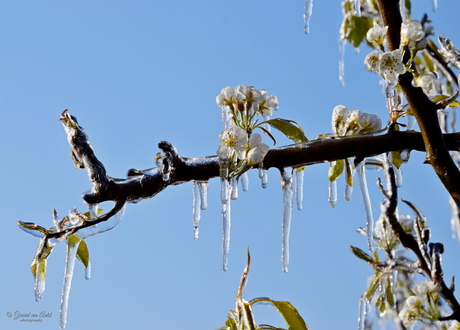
[234,138]
[369,122]
[391,65]
[426,82]
[339,118]
[226,96]
[411,32]
[257,150]
[372,61]
[376,35]
[267,104]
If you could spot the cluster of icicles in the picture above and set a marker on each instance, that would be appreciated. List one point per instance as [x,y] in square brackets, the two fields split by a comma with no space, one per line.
[292,185]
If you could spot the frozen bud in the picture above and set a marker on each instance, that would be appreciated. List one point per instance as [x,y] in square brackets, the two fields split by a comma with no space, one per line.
[411,32]
[376,35]
[369,122]
[226,96]
[372,61]
[268,103]
[391,66]
[426,82]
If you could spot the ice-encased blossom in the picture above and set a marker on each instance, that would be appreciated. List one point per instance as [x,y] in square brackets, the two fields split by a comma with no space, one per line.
[267,104]
[376,35]
[372,61]
[339,119]
[257,150]
[234,138]
[411,32]
[226,96]
[424,288]
[426,82]
[391,65]
[369,122]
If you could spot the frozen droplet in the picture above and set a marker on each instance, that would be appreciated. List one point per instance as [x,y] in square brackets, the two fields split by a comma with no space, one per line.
[360,168]
[398,176]
[299,178]
[203,187]
[308,11]
[72,246]
[286,185]
[357,5]
[88,271]
[196,210]
[234,193]
[263,175]
[226,225]
[332,193]
[405,155]
[342,44]
[244,181]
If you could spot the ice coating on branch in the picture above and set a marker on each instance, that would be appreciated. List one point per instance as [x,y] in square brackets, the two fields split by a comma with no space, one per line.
[308,11]
[286,185]
[332,199]
[299,178]
[342,44]
[93,210]
[72,246]
[360,169]
[203,187]
[263,175]
[244,181]
[102,226]
[196,210]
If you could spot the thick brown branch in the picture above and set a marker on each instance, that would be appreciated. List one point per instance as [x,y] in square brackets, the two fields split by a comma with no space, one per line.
[424,110]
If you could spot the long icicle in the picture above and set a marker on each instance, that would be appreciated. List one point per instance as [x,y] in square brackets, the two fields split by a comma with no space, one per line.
[308,11]
[196,214]
[360,168]
[72,245]
[203,187]
[286,185]
[332,199]
[226,191]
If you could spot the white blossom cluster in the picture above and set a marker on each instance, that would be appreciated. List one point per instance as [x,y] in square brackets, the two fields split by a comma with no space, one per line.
[389,64]
[240,107]
[351,122]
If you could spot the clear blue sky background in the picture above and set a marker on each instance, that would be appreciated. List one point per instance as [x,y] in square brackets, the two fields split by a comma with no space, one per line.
[138,72]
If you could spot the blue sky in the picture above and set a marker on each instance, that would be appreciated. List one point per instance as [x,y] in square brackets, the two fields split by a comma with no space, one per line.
[138,72]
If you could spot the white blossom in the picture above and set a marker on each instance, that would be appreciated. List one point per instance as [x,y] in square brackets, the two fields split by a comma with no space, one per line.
[376,35]
[411,32]
[226,96]
[391,65]
[234,138]
[426,82]
[372,61]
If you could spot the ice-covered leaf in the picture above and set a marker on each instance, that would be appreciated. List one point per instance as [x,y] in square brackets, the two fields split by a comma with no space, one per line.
[289,128]
[389,293]
[83,253]
[396,159]
[290,314]
[371,290]
[336,169]
[362,255]
[38,267]
[354,28]
[445,100]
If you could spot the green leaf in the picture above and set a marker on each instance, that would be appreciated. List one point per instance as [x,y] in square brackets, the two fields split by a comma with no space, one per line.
[389,294]
[355,28]
[362,255]
[446,100]
[289,128]
[83,253]
[335,169]
[290,314]
[371,290]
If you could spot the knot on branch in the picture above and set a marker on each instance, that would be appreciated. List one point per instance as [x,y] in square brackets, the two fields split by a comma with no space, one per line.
[168,159]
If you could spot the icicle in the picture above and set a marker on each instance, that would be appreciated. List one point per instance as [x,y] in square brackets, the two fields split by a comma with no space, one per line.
[203,187]
[299,176]
[357,5]
[348,191]
[234,183]
[224,193]
[455,220]
[267,125]
[367,202]
[435,5]
[263,175]
[332,193]
[410,123]
[308,11]
[244,181]
[398,176]
[72,245]
[342,44]
[93,210]
[405,155]
[88,271]
[225,116]
[362,312]
[286,185]
[226,224]
[403,10]
[196,214]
